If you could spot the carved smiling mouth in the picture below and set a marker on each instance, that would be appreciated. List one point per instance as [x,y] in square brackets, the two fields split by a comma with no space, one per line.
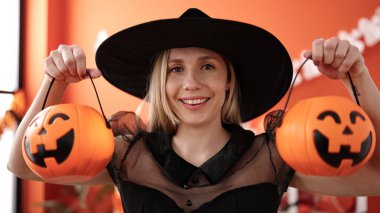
[334,159]
[64,146]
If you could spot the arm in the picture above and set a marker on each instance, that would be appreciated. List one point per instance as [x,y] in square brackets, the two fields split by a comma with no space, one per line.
[67,65]
[16,163]
[334,58]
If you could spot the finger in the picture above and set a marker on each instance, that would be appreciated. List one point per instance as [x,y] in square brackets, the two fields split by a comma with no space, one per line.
[307,54]
[69,60]
[340,53]
[73,79]
[317,51]
[80,61]
[329,48]
[349,60]
[52,70]
[56,56]
[94,73]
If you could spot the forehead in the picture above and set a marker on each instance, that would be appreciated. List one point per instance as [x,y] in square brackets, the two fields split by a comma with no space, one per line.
[193,52]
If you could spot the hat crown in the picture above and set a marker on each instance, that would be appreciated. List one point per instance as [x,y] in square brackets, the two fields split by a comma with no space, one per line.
[194,13]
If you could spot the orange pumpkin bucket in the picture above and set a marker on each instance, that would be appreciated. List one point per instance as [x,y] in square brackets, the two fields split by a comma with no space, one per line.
[326,136]
[68,143]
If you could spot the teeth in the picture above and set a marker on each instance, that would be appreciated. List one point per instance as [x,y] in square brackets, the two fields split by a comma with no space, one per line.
[195,101]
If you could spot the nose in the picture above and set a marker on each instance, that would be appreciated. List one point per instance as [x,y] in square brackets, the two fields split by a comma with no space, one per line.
[347,131]
[192,81]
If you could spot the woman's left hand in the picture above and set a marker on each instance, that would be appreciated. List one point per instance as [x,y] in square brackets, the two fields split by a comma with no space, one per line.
[335,57]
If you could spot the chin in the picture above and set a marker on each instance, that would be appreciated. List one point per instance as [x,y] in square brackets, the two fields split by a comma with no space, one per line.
[196,121]
[193,122]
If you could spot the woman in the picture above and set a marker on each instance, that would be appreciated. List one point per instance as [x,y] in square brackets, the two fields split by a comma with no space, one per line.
[206,77]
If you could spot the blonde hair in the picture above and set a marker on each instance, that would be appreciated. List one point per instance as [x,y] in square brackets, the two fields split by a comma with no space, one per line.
[161,115]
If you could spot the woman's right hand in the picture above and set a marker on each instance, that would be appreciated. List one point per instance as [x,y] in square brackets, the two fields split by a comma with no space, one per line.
[68,64]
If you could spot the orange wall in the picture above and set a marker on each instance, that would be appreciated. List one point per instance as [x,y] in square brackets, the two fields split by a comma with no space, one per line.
[296,23]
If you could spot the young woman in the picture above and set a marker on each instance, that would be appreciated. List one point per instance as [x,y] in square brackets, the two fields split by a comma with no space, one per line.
[206,76]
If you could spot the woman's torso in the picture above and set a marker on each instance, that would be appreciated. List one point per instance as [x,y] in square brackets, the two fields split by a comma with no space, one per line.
[247,175]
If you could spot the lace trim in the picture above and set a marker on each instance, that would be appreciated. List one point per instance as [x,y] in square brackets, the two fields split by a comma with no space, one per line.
[283,172]
[129,128]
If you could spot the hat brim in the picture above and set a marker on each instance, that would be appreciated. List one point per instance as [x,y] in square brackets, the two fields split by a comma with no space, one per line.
[262,65]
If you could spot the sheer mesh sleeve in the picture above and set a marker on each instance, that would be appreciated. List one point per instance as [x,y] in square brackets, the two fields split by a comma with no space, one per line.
[126,127]
[283,172]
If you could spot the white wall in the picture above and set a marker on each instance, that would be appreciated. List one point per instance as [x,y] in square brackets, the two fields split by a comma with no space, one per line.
[9,75]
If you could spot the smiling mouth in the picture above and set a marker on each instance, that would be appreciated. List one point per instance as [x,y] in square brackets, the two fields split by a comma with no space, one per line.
[194,102]
[334,159]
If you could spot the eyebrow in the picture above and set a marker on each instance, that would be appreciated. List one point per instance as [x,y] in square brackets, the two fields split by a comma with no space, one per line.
[175,60]
[202,58]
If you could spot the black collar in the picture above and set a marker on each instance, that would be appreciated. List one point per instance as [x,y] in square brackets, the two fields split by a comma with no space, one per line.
[214,169]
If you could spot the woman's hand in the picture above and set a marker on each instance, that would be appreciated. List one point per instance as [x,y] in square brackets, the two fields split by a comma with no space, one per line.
[68,64]
[335,57]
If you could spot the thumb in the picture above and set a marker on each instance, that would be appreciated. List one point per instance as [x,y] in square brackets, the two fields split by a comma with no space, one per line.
[94,73]
[307,54]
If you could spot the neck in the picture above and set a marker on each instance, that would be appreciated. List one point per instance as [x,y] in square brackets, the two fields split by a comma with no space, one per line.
[196,144]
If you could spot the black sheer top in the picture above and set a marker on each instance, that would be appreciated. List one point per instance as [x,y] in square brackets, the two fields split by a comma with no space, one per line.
[246,175]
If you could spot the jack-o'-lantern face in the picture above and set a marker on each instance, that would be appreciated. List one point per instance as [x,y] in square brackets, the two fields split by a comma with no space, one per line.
[326,136]
[353,143]
[67,143]
[61,134]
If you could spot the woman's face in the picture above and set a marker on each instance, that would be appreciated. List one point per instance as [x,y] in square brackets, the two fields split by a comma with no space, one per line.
[196,85]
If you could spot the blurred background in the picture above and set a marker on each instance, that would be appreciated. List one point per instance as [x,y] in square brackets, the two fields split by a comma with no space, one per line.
[30,29]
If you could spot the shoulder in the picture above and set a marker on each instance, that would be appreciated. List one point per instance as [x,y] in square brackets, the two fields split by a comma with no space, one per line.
[125,123]
[127,128]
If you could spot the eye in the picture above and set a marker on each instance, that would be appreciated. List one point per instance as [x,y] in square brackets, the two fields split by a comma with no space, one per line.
[332,114]
[59,115]
[208,67]
[176,69]
[354,115]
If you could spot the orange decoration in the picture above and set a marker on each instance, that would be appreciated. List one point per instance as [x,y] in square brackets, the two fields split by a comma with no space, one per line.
[18,104]
[116,202]
[13,116]
[326,136]
[68,143]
